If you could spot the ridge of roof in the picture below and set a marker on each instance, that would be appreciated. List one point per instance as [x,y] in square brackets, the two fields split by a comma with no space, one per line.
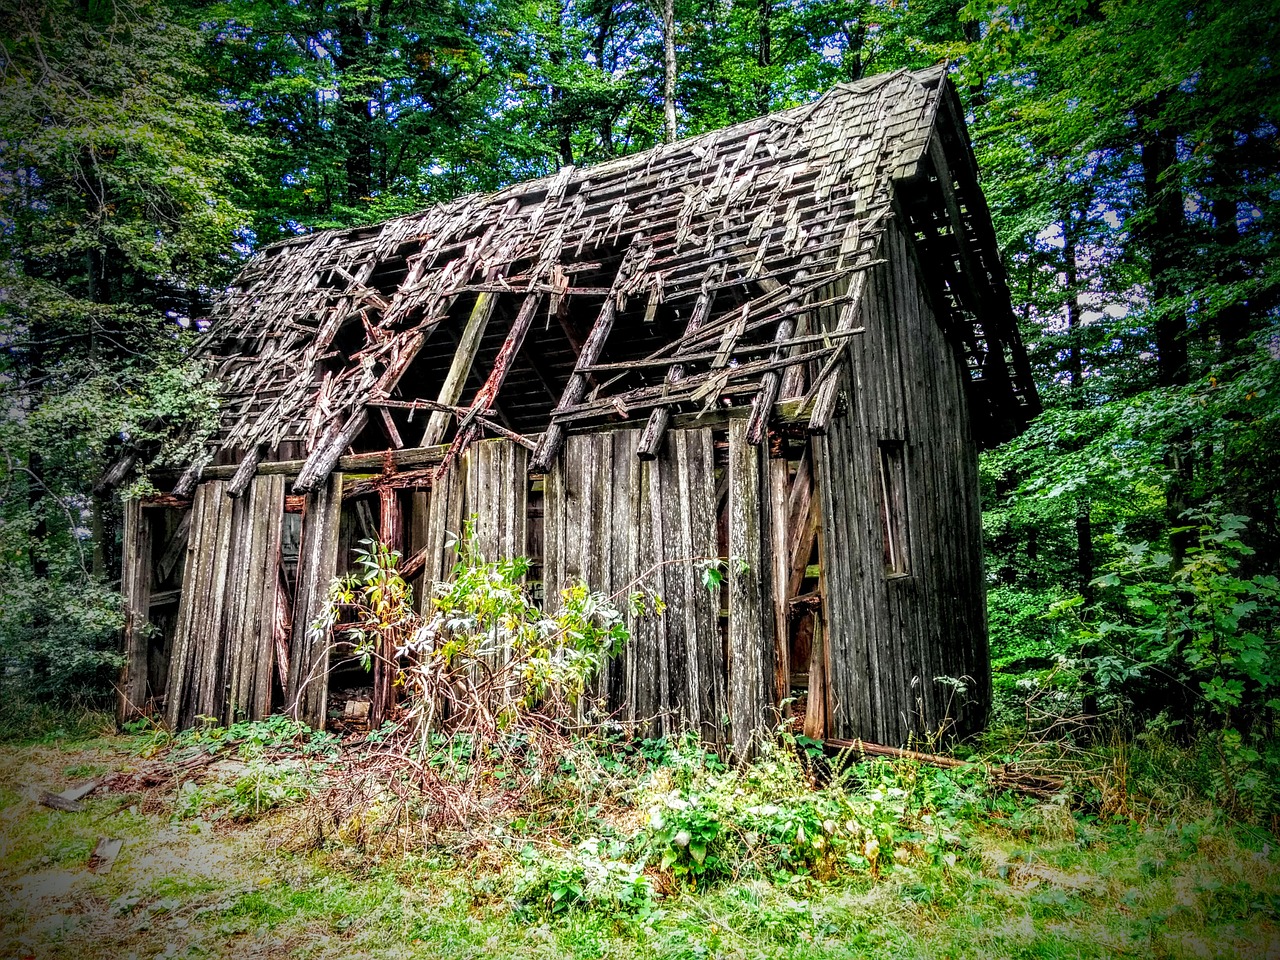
[927,77]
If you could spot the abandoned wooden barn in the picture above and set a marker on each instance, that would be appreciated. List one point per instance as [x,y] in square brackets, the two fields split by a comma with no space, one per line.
[783,342]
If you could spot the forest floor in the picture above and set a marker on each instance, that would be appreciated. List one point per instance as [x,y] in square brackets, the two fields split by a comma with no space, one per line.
[187,886]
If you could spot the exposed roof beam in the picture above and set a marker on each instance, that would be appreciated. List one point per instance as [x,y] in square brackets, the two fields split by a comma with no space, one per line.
[464,358]
[487,395]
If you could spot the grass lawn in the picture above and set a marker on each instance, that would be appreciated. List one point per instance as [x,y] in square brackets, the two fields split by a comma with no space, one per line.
[1026,880]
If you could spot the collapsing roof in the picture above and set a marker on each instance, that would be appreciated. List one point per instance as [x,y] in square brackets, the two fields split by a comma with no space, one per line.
[671,281]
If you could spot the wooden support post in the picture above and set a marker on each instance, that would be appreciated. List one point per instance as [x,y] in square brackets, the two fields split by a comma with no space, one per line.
[778,556]
[385,665]
[815,714]
[749,681]
[464,359]
[308,692]
[135,585]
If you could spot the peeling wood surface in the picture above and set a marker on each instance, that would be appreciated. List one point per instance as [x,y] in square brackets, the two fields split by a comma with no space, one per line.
[308,690]
[622,524]
[135,585]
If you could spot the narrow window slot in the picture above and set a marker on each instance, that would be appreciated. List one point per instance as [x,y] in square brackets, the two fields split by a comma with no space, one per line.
[893,508]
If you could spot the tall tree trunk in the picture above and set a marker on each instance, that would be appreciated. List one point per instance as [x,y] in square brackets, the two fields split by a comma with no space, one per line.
[855,35]
[1074,358]
[669,70]
[354,120]
[603,29]
[764,57]
[559,114]
[1233,320]
[1164,242]
[1075,380]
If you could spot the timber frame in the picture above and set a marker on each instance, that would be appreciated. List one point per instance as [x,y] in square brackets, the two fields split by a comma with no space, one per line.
[782,342]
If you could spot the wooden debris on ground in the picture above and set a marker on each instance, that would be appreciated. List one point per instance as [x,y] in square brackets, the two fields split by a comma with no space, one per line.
[104,854]
[1001,777]
[68,800]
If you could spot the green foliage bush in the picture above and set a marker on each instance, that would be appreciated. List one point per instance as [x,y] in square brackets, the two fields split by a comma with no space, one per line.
[59,635]
[592,876]
[482,633]
[766,818]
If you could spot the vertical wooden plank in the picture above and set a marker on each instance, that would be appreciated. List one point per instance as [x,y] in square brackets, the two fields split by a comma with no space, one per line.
[419,508]
[656,510]
[644,663]
[748,683]
[680,616]
[443,521]
[196,668]
[604,576]
[212,696]
[271,510]
[516,476]
[308,692]
[553,519]
[622,550]
[135,585]
[778,557]
[815,717]
[710,645]
[193,583]
[249,533]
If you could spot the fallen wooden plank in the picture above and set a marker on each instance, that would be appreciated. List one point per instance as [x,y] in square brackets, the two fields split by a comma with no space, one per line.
[1031,784]
[104,854]
[56,801]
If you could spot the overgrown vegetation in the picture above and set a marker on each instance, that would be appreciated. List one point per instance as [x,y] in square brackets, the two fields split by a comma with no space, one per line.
[1127,150]
[633,848]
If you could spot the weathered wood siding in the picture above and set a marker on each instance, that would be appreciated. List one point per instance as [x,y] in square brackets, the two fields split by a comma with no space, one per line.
[135,585]
[497,494]
[224,645]
[889,638]
[490,482]
[751,612]
[308,691]
[258,525]
[620,523]
[194,685]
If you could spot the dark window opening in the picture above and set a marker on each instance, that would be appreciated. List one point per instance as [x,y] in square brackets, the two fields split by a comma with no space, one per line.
[893,507]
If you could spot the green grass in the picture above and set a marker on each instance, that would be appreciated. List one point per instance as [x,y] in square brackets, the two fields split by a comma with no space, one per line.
[1028,882]
[27,721]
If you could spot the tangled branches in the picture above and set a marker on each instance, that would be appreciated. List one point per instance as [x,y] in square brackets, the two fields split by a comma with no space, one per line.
[491,685]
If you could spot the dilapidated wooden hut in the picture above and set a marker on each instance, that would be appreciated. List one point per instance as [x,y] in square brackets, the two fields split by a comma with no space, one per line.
[783,342]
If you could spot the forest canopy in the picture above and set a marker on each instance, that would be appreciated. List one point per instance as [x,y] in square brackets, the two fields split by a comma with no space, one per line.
[1128,150]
